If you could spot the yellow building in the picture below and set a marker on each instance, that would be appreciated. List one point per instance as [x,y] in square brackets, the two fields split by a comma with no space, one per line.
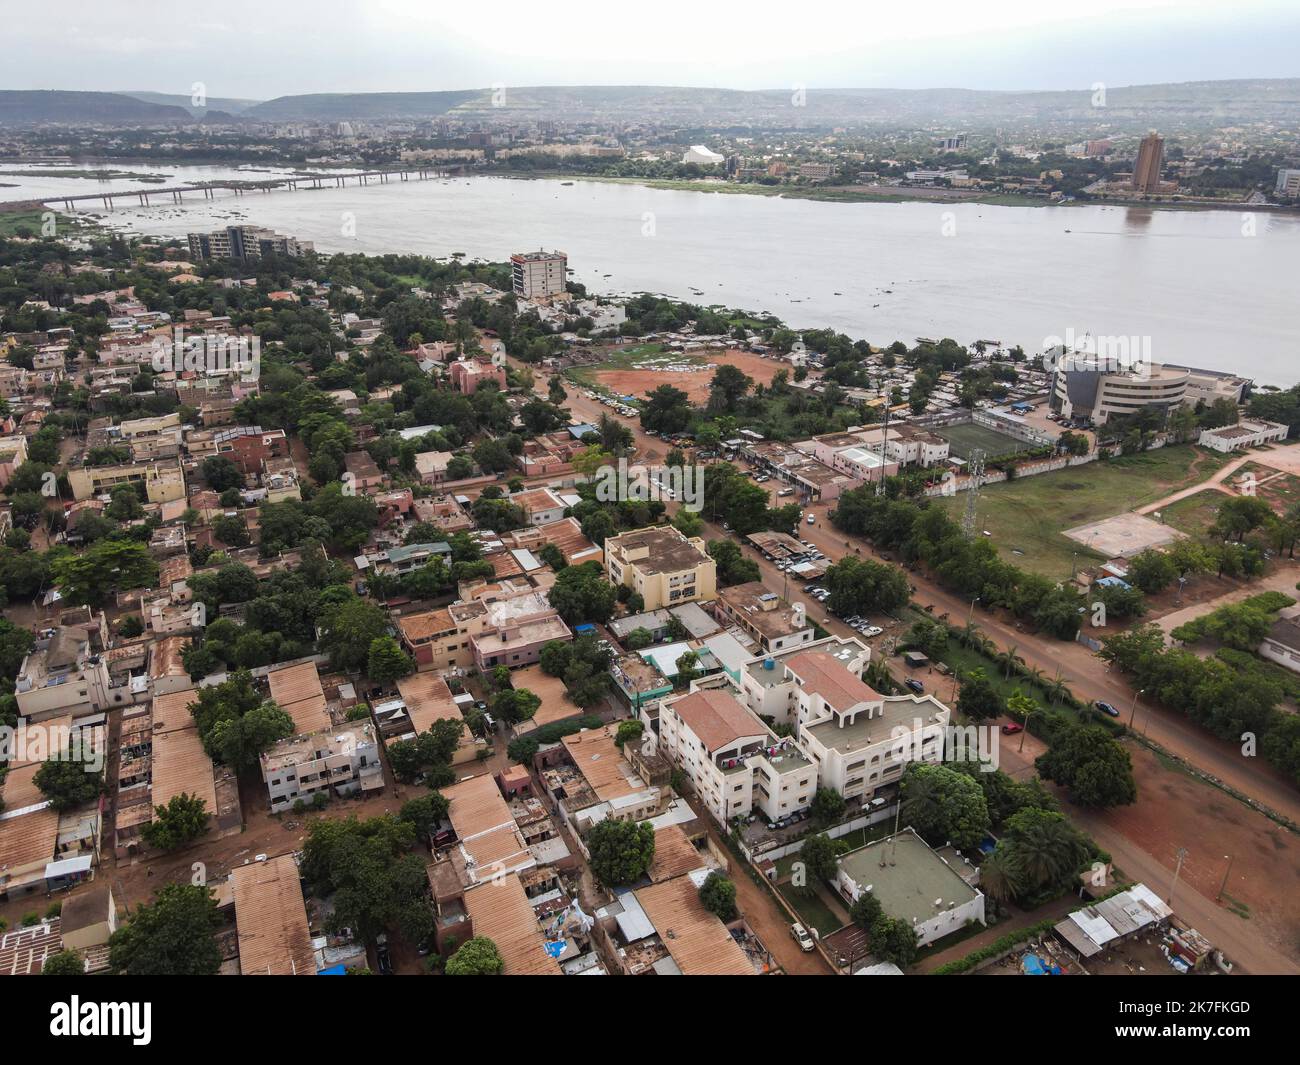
[664,567]
[163,482]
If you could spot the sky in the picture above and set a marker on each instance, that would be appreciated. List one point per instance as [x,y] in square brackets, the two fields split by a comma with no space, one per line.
[255,49]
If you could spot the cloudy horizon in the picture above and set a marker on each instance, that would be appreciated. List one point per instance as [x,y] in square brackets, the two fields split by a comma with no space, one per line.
[254,51]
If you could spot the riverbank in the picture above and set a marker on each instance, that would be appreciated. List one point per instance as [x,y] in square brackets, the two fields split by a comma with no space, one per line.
[885,193]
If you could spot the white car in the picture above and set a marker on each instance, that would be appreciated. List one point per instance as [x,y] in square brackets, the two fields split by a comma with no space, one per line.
[801,936]
[872,630]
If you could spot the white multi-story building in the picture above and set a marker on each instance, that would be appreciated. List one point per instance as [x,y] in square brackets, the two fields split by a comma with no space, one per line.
[1288,183]
[539,274]
[859,739]
[734,762]
[341,761]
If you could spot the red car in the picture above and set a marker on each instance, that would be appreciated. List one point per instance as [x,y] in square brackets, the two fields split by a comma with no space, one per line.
[1012,729]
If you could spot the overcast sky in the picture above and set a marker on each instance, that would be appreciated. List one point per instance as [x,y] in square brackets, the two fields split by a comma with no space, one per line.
[260,49]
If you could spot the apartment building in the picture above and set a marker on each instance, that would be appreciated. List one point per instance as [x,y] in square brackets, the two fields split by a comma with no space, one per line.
[765,616]
[505,625]
[163,482]
[539,274]
[467,375]
[859,739]
[244,242]
[768,688]
[734,762]
[339,761]
[63,675]
[907,445]
[13,453]
[663,566]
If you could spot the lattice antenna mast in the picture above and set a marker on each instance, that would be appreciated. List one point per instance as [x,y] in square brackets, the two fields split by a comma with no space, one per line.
[975,470]
[884,450]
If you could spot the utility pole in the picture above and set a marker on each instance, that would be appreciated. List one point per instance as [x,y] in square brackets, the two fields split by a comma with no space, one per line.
[1182,853]
[1134,710]
[1224,886]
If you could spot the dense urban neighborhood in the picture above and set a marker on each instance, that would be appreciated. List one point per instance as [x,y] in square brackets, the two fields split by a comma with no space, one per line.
[527,531]
[398,596]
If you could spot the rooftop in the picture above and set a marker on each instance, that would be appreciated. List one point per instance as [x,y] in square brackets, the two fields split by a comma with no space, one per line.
[271,918]
[297,691]
[698,942]
[717,718]
[502,912]
[914,884]
[899,712]
[659,549]
[823,675]
[602,765]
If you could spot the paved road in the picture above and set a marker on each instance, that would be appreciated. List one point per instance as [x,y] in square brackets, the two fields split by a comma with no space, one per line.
[1087,675]
[1090,679]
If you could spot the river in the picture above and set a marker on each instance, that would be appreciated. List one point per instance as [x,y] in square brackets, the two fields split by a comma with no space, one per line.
[1211,288]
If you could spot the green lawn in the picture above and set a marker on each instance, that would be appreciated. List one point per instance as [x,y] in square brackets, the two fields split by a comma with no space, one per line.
[1026,517]
[1195,514]
[811,910]
[964,438]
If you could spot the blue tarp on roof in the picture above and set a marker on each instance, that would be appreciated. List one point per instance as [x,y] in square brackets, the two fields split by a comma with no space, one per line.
[333,970]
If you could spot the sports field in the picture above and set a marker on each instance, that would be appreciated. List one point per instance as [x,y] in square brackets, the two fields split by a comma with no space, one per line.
[964,438]
[1026,517]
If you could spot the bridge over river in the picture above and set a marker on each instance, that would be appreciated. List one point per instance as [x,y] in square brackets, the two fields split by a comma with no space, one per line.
[209,189]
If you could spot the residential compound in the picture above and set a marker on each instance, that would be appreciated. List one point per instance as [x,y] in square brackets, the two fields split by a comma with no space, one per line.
[661,565]
[845,736]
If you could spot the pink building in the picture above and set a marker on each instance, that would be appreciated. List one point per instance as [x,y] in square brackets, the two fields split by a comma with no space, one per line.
[468,374]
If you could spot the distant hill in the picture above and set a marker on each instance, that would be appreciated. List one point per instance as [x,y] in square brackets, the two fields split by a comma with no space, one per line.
[22,107]
[342,107]
[1128,108]
[227,104]
[1218,102]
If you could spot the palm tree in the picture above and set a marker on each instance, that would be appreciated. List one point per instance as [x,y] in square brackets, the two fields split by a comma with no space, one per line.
[1009,660]
[1058,688]
[1046,850]
[1035,676]
[999,877]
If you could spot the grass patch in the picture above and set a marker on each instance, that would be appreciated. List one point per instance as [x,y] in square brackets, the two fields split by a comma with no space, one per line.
[1195,514]
[1026,517]
[965,438]
[811,910]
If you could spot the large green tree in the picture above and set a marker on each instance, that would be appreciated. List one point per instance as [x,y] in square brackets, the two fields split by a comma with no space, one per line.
[172,936]
[621,851]
[944,805]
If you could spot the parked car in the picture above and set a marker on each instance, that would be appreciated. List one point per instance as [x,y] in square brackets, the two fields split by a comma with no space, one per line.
[872,630]
[1106,708]
[1012,728]
[914,684]
[801,936]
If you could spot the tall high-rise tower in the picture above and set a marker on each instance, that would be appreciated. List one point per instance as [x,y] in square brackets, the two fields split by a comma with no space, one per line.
[1146,171]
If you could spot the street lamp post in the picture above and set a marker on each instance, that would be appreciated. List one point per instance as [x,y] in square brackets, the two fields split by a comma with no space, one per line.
[1224,886]
[970,617]
[1134,710]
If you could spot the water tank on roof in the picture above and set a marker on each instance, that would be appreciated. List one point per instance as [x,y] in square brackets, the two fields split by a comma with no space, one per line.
[769,663]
